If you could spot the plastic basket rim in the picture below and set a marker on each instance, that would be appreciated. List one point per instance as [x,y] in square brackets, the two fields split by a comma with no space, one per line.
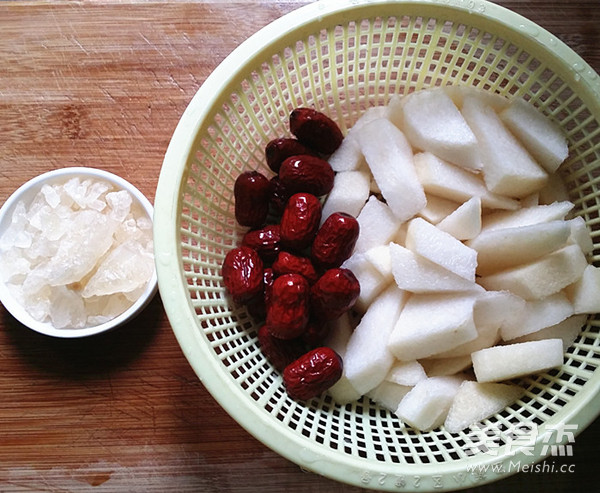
[584,408]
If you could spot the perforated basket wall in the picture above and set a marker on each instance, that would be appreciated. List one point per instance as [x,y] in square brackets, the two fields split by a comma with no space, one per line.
[342,57]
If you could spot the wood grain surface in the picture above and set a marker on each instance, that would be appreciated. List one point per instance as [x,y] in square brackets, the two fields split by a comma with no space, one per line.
[103,84]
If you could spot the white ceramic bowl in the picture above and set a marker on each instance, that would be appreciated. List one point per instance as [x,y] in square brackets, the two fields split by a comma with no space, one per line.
[26,193]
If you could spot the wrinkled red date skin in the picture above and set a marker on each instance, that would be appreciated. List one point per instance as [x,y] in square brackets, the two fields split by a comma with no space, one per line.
[306,173]
[315,130]
[279,352]
[288,310]
[288,263]
[335,240]
[252,192]
[243,274]
[312,373]
[278,150]
[266,241]
[300,221]
[334,293]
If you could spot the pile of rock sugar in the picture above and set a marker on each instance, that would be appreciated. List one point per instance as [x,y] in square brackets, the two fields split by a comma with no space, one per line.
[79,254]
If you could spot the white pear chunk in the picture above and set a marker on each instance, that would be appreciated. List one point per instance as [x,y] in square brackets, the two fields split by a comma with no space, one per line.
[443,179]
[487,336]
[526,216]
[585,292]
[500,363]
[476,401]
[377,225]
[380,258]
[495,309]
[432,122]
[349,194]
[500,249]
[508,169]
[537,315]
[542,277]
[426,405]
[439,367]
[437,208]
[492,99]
[419,275]
[439,247]
[368,359]
[348,156]
[568,330]
[341,330]
[465,222]
[371,281]
[540,135]
[390,159]
[580,234]
[407,373]
[388,394]
[432,323]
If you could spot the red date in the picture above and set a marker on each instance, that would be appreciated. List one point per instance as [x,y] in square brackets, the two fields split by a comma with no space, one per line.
[312,373]
[288,263]
[335,240]
[306,173]
[278,150]
[300,221]
[243,274]
[316,130]
[252,192]
[266,241]
[334,293]
[288,310]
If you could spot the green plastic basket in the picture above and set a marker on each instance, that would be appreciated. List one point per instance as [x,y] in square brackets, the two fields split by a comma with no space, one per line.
[342,57]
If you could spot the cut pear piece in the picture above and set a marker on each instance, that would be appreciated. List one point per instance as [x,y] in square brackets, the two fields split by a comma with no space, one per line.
[371,281]
[475,401]
[432,122]
[585,292]
[503,248]
[437,208]
[432,323]
[500,363]
[419,275]
[445,180]
[388,394]
[390,158]
[426,405]
[508,169]
[407,373]
[542,277]
[537,315]
[541,136]
[349,194]
[425,239]
[459,93]
[465,222]
[526,216]
[377,225]
[567,331]
[368,359]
